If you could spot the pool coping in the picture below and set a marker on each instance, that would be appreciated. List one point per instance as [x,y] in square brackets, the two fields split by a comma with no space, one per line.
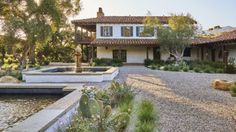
[38,76]
[48,119]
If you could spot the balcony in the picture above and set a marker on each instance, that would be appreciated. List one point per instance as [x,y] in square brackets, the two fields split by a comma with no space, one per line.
[84,39]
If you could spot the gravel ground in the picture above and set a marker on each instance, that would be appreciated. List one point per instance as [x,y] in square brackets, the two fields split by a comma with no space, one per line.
[185,101]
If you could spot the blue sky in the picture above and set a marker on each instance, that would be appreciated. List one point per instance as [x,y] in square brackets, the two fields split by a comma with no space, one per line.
[207,12]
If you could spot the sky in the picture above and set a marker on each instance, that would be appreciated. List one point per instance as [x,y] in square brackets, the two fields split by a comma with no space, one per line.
[208,13]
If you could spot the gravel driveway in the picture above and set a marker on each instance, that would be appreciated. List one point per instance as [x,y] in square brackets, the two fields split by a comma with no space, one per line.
[185,101]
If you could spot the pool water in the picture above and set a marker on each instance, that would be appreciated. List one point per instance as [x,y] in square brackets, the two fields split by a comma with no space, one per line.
[16,108]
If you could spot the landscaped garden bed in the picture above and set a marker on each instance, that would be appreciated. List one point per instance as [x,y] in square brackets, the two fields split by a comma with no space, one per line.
[110,110]
[190,66]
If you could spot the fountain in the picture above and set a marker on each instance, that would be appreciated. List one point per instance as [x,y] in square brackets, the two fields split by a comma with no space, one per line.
[67,74]
[78,54]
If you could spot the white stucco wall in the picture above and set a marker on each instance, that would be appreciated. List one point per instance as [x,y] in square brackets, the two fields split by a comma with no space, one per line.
[117,31]
[134,54]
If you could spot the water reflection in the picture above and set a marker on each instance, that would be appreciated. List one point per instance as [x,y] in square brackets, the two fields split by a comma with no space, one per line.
[16,108]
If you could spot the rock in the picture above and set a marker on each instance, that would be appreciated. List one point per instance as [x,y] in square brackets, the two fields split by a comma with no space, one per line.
[9,79]
[221,84]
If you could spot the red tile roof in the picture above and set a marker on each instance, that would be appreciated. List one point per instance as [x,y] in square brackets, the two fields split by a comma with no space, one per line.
[124,42]
[118,20]
[224,37]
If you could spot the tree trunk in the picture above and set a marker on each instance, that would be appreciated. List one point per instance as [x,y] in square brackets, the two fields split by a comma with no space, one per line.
[3,52]
[32,55]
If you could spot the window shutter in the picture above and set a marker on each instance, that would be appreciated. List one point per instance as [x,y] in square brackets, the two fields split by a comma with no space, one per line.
[131,31]
[137,31]
[122,31]
[111,31]
[101,31]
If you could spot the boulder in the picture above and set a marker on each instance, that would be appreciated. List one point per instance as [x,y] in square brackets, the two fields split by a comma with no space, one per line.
[9,79]
[222,84]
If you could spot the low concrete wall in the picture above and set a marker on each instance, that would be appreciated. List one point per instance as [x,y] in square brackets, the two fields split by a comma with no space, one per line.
[31,88]
[68,77]
[54,117]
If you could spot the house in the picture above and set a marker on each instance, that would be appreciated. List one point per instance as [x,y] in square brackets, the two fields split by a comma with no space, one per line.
[123,37]
[218,48]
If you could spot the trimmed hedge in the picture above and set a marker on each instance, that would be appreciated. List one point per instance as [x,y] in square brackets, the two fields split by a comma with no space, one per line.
[107,62]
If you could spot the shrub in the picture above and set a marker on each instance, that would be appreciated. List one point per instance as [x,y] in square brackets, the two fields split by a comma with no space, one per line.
[146,111]
[196,69]
[166,68]
[233,90]
[146,117]
[145,127]
[154,66]
[219,70]
[207,70]
[107,62]
[175,68]
[148,62]
[230,69]
[186,69]
[16,74]
[120,93]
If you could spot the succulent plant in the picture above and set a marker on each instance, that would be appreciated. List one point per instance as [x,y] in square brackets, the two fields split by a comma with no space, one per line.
[84,106]
[107,111]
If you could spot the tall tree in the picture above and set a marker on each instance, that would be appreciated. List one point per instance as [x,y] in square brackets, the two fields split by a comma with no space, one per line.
[35,21]
[175,37]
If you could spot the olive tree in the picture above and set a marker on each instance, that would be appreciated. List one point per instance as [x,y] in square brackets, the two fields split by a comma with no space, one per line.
[174,37]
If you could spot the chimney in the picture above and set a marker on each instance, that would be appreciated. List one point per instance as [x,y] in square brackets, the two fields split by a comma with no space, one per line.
[100,13]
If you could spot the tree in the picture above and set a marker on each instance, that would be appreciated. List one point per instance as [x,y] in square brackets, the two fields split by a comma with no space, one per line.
[35,21]
[175,37]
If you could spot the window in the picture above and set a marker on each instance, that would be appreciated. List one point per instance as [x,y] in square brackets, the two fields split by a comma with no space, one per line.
[141,31]
[122,53]
[187,52]
[106,31]
[127,31]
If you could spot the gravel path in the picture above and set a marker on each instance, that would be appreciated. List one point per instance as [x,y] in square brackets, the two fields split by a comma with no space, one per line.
[185,101]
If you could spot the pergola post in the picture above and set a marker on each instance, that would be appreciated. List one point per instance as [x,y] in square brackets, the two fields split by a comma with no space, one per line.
[81,33]
[225,58]
[147,53]
[92,52]
[82,48]
[202,53]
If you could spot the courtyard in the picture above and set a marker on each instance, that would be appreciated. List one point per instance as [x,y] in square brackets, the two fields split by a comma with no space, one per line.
[185,101]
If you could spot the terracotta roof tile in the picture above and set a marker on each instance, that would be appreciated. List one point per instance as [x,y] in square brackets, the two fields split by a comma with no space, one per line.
[118,20]
[227,36]
[141,42]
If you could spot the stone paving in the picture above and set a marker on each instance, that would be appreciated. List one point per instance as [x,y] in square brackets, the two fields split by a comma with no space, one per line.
[185,101]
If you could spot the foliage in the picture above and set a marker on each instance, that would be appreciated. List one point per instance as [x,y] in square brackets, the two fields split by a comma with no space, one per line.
[177,36]
[59,49]
[233,90]
[148,62]
[231,66]
[186,69]
[196,66]
[196,69]
[147,117]
[30,23]
[10,63]
[96,113]
[107,62]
